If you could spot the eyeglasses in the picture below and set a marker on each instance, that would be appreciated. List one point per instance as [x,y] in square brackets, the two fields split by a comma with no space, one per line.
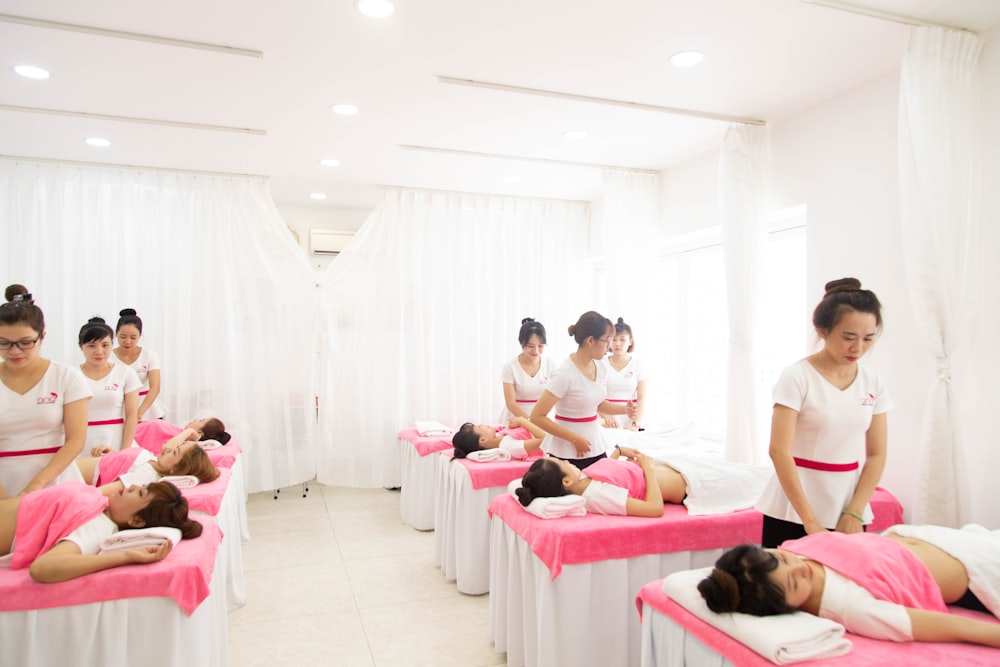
[23,344]
[603,340]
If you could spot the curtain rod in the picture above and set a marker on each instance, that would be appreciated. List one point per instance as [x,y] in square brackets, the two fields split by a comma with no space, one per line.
[131,167]
[878,14]
[707,115]
[522,158]
[134,119]
[465,193]
[135,36]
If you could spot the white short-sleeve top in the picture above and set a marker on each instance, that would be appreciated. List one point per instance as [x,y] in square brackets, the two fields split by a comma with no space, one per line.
[145,362]
[578,399]
[527,388]
[624,384]
[108,405]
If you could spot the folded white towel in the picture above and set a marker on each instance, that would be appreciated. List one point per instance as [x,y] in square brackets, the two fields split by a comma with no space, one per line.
[781,639]
[209,444]
[426,428]
[487,455]
[181,481]
[138,538]
[551,508]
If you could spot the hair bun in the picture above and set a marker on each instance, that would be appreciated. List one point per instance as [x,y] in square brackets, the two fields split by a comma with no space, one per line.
[96,320]
[127,312]
[526,320]
[524,495]
[621,321]
[223,438]
[842,285]
[720,591]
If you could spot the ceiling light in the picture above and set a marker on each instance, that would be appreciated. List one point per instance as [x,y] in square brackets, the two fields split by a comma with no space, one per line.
[329,162]
[377,9]
[97,141]
[317,196]
[686,58]
[511,179]
[344,109]
[31,72]
[574,135]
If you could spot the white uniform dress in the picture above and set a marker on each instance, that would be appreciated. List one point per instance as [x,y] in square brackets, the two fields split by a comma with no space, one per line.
[830,430]
[106,410]
[145,362]
[33,422]
[623,385]
[527,388]
[578,399]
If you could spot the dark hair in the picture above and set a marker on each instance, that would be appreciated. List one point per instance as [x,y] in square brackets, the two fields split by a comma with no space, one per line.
[128,316]
[739,583]
[844,295]
[95,329]
[196,462]
[214,429]
[530,327]
[168,508]
[465,440]
[544,479]
[620,328]
[21,309]
[589,325]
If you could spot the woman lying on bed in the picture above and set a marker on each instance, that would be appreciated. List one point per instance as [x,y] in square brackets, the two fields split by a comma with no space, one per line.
[637,486]
[893,585]
[475,437]
[59,529]
[114,471]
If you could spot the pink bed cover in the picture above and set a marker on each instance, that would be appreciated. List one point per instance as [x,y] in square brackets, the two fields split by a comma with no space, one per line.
[425,444]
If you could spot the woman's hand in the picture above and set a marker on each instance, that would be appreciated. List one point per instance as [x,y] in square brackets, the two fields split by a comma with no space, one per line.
[609,422]
[849,524]
[633,427]
[645,462]
[813,527]
[515,422]
[149,554]
[100,450]
[581,445]
[632,411]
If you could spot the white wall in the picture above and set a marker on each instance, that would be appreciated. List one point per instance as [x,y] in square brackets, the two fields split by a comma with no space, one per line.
[304,219]
[840,160]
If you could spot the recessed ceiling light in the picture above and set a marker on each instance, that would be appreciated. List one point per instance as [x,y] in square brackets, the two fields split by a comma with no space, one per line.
[686,58]
[97,141]
[377,9]
[574,135]
[329,162]
[344,109]
[317,195]
[511,179]
[31,72]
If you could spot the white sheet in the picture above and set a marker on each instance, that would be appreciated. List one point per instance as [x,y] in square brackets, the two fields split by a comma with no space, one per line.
[232,519]
[416,495]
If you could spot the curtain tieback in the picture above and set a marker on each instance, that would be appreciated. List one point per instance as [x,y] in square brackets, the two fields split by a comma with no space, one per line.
[825,467]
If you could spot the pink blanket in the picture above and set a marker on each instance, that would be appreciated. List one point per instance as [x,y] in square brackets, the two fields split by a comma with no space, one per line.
[596,537]
[184,575]
[115,464]
[46,516]
[207,498]
[152,434]
[866,652]
[495,473]
[425,444]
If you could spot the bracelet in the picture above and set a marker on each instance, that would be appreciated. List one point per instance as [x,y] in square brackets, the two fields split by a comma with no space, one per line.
[854,514]
[618,448]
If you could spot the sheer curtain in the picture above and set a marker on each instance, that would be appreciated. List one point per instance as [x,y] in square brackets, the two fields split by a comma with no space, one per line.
[941,221]
[226,297]
[742,182]
[422,309]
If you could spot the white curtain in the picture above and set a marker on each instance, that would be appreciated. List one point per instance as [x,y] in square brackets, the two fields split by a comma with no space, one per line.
[743,164]
[226,297]
[941,221]
[422,309]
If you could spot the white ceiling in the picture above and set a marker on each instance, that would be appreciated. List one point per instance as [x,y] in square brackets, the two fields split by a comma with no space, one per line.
[764,60]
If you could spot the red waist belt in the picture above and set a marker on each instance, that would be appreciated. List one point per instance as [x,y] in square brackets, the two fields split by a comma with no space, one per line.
[30,452]
[618,400]
[106,422]
[143,393]
[826,467]
[525,400]
[576,419]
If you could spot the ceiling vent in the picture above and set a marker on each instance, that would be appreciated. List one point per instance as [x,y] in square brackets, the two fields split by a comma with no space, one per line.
[329,241]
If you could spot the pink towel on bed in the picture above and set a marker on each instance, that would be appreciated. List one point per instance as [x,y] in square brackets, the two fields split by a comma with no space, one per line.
[883,567]
[495,473]
[207,498]
[115,464]
[425,445]
[48,515]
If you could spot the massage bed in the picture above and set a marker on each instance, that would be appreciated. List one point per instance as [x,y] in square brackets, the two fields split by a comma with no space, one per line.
[671,635]
[419,461]
[562,591]
[464,491]
[159,615]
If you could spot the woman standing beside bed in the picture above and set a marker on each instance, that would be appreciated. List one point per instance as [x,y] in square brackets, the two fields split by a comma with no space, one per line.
[828,429]
[43,405]
[113,412]
[142,360]
[626,379]
[526,375]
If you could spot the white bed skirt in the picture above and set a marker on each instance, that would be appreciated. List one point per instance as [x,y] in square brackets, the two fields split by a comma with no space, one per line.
[666,644]
[416,495]
[232,519]
[462,528]
[586,617]
[151,632]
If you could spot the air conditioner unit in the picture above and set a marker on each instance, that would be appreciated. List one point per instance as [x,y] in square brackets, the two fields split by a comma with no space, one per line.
[329,241]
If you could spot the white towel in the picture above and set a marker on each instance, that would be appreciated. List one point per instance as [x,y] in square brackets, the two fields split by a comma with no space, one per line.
[781,639]
[209,444]
[124,540]
[180,481]
[551,508]
[487,455]
[427,428]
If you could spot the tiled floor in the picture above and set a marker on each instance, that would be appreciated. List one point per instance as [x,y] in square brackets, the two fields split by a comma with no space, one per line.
[337,579]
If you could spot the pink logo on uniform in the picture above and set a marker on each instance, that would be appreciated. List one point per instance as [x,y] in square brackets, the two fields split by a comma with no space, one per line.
[142,369]
[630,374]
[868,400]
[51,398]
[111,387]
[544,380]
